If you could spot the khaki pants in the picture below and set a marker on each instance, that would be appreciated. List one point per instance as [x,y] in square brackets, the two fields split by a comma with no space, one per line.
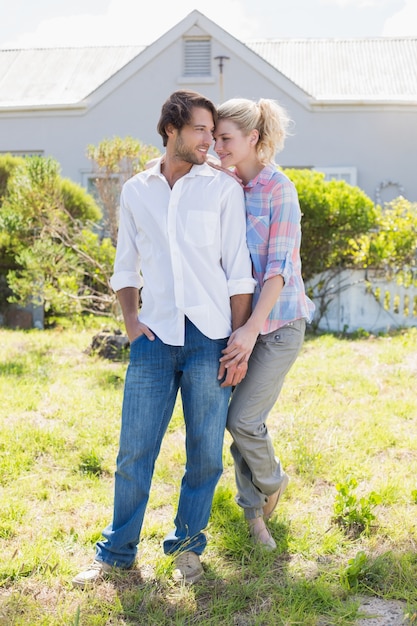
[258,471]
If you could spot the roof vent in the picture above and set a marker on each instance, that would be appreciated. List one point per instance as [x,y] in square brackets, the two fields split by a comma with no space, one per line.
[197,56]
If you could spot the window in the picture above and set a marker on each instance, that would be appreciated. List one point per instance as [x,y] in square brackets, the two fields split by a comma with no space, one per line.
[348,174]
[197,57]
[23,153]
[89,183]
[110,191]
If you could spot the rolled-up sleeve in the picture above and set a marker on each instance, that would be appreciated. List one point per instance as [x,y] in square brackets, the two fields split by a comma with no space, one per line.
[127,262]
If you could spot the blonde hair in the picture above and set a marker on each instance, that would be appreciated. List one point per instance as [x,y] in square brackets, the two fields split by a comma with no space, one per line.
[268,117]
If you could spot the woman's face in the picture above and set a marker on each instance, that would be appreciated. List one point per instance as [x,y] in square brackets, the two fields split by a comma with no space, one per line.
[230,144]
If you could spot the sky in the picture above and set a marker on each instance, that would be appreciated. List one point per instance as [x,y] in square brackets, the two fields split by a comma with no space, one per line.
[61,23]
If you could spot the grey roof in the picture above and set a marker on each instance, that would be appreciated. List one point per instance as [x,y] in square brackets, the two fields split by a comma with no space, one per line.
[377,69]
[58,76]
[383,68]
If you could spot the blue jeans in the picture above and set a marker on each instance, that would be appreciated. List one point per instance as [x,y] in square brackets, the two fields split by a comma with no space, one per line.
[155,374]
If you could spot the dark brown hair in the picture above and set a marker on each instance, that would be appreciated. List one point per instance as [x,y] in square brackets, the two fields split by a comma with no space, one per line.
[177,110]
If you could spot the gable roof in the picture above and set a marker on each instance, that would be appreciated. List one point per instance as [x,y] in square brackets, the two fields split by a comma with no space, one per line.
[316,70]
[112,75]
[383,68]
[54,76]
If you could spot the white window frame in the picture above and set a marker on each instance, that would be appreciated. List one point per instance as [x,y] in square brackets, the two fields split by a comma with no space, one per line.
[23,153]
[346,173]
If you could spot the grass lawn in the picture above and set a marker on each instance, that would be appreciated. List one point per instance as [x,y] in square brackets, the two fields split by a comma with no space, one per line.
[344,427]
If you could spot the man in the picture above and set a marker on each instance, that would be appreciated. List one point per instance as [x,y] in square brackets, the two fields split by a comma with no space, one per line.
[182,239]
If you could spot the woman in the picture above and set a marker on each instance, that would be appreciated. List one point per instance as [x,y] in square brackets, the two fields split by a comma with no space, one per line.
[247,136]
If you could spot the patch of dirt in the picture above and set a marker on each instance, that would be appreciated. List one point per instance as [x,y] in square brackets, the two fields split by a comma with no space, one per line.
[381,612]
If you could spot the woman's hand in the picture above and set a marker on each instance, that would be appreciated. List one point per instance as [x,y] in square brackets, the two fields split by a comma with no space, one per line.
[216,165]
[238,350]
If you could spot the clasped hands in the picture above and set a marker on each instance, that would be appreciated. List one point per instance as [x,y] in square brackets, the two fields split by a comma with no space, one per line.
[234,362]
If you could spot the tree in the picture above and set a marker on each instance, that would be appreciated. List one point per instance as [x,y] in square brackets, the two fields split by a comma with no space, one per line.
[115,161]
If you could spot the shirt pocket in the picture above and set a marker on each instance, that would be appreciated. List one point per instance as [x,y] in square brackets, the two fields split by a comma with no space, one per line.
[257,227]
[200,228]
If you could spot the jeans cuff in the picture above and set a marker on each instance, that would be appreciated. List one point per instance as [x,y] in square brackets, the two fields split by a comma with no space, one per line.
[253,513]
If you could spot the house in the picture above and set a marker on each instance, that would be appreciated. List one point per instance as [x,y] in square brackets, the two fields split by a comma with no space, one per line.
[353,102]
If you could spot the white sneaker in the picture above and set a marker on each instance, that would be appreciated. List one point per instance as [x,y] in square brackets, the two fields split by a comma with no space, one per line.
[97,571]
[188,568]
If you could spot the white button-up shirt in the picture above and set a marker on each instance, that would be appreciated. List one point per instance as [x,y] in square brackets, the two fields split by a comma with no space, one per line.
[186,247]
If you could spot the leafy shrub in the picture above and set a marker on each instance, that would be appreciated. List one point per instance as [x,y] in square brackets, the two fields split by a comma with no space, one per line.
[8,164]
[47,246]
[343,229]
[335,214]
[66,277]
[80,205]
[392,244]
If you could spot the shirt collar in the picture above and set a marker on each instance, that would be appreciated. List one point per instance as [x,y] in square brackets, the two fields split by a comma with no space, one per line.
[263,177]
[196,170]
[201,170]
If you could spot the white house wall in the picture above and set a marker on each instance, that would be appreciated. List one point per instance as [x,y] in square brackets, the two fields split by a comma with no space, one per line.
[381,143]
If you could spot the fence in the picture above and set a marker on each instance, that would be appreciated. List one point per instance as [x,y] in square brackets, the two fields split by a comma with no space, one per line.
[362,299]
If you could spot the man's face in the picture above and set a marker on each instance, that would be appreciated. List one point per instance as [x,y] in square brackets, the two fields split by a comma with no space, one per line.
[193,141]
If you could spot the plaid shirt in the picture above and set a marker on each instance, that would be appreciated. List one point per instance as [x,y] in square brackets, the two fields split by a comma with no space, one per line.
[273,229]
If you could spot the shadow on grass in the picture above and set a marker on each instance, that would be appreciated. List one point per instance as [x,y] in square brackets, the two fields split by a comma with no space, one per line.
[244,585]
[236,586]
[250,588]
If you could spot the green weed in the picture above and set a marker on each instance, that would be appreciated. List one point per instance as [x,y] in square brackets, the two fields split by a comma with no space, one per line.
[354,514]
[91,463]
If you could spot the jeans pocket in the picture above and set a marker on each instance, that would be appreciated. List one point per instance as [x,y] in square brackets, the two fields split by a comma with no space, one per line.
[136,348]
[136,339]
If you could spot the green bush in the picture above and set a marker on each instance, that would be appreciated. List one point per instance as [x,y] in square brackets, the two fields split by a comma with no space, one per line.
[48,248]
[48,234]
[8,164]
[79,204]
[392,245]
[32,199]
[334,215]
[343,229]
